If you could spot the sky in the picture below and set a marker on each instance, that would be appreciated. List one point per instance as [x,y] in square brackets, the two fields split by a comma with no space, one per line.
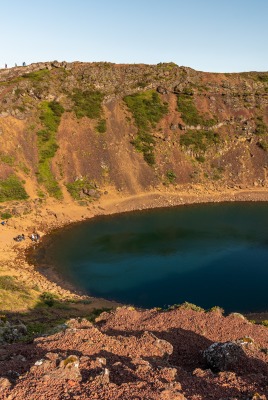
[207,35]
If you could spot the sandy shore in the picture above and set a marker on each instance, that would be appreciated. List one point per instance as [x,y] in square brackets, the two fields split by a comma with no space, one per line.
[51,215]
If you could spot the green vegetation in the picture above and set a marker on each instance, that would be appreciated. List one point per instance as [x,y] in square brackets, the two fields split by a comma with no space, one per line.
[147,110]
[47,146]
[189,306]
[199,141]
[192,306]
[263,77]
[6,215]
[171,176]
[23,167]
[48,299]
[216,309]
[141,84]
[87,103]
[41,194]
[77,186]
[7,159]
[101,126]
[37,76]
[263,144]
[9,283]
[200,159]
[11,189]
[261,127]
[189,112]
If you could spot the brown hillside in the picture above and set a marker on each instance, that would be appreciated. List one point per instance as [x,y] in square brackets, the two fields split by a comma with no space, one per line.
[217,136]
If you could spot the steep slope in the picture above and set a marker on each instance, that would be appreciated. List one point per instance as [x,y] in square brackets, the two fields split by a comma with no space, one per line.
[151,136]
[134,127]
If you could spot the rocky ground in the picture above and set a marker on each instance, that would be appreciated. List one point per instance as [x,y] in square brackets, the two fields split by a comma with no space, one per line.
[151,354]
[128,354]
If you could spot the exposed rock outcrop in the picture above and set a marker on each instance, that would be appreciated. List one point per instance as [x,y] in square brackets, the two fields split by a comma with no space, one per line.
[132,354]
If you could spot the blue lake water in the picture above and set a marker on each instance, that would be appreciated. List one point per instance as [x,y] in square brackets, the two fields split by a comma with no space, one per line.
[210,254]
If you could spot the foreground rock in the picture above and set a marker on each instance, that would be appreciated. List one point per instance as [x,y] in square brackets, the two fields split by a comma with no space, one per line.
[224,356]
[11,332]
[130,354]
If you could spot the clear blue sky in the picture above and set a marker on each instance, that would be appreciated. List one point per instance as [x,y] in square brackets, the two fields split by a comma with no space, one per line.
[207,35]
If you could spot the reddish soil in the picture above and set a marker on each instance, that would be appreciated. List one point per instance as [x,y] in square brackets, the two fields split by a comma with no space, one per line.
[132,354]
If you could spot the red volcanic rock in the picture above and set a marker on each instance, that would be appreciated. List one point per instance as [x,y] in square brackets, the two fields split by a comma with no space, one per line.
[138,355]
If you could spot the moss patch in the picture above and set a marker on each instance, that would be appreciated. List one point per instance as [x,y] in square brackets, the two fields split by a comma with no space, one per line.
[147,110]
[261,127]
[199,141]
[190,114]
[87,103]
[47,145]
[37,76]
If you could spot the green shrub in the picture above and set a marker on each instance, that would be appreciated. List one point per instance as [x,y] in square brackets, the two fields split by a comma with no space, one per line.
[191,306]
[48,299]
[186,305]
[263,144]
[189,112]
[263,77]
[47,146]
[199,141]
[171,176]
[11,189]
[147,110]
[77,186]
[101,126]
[87,103]
[7,159]
[261,127]
[200,159]
[5,215]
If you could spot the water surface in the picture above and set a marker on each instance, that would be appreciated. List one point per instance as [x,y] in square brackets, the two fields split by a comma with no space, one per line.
[213,254]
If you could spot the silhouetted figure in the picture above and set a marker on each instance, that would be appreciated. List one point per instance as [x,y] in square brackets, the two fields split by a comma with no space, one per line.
[24,64]
[15,64]
[5,65]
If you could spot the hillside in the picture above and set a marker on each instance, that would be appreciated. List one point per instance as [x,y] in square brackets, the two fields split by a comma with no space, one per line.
[74,128]
[84,139]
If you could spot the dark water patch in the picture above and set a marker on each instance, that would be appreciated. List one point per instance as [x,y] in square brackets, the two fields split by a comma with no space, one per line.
[215,254]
